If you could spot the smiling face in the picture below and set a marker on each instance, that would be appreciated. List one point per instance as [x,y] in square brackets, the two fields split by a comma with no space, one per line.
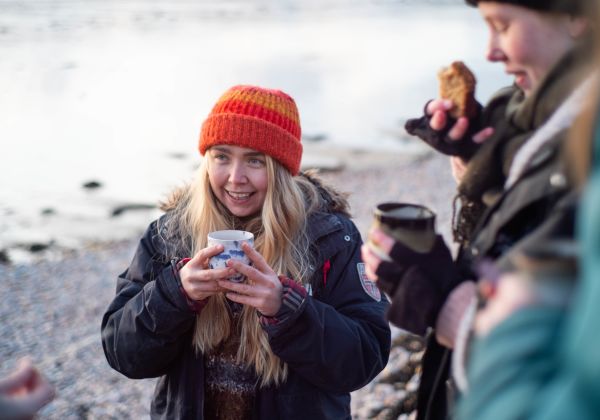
[238,178]
[526,41]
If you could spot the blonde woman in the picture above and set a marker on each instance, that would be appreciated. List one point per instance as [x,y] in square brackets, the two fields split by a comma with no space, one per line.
[307,326]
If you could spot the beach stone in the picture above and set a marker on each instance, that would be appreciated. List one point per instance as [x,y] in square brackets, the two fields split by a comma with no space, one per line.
[177,155]
[117,211]
[48,211]
[91,185]
[37,247]
[314,137]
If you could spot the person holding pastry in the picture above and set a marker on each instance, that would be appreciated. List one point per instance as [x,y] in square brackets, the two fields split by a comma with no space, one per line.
[514,193]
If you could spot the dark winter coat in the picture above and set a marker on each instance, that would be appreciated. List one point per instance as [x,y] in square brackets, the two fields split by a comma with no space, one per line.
[335,342]
[547,353]
[514,214]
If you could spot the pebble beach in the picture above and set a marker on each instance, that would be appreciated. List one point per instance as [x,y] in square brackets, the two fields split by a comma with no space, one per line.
[52,308]
[101,104]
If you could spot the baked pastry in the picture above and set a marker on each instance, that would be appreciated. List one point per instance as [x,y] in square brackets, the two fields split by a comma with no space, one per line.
[457,83]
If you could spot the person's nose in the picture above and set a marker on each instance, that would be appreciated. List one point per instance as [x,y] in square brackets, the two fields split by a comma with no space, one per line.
[238,173]
[494,52]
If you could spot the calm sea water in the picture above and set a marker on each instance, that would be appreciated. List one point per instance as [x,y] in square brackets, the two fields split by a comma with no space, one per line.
[115,91]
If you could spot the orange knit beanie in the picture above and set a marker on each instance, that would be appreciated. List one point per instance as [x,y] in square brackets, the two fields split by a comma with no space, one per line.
[266,120]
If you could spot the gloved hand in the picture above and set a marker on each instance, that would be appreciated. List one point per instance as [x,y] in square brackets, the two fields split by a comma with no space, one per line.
[417,283]
[463,146]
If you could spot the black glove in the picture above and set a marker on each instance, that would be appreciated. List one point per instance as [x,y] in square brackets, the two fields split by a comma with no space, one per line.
[418,284]
[464,148]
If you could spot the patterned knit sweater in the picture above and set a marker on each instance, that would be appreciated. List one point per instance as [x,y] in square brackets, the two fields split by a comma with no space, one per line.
[230,386]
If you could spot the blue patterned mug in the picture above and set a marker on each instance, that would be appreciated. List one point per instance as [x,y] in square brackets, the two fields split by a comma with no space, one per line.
[232,242]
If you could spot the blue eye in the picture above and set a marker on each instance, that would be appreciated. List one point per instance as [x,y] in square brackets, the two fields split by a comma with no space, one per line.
[256,162]
[220,156]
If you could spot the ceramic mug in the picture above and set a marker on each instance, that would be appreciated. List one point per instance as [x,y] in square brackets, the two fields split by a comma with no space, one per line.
[232,243]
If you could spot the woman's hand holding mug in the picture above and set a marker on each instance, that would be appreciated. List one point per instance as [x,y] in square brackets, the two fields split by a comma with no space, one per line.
[263,290]
[198,280]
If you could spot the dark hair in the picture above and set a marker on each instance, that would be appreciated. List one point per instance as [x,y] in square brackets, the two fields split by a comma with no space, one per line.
[572,7]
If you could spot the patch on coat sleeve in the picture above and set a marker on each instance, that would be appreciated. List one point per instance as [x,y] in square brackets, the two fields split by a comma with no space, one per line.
[368,285]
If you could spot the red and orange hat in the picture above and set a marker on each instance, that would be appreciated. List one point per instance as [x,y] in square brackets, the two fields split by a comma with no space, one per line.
[262,119]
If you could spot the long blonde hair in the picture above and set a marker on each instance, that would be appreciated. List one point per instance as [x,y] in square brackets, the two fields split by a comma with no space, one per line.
[280,237]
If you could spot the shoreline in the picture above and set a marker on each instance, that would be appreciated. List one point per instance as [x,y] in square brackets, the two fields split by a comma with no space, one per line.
[103,216]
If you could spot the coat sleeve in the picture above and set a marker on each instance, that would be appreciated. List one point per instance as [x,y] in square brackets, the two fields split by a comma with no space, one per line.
[577,395]
[510,366]
[550,369]
[339,341]
[148,323]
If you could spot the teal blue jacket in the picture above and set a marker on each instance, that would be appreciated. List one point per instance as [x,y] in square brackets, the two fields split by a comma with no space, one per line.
[544,363]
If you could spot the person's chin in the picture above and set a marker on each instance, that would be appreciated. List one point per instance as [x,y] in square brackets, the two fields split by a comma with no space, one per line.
[524,83]
[242,211]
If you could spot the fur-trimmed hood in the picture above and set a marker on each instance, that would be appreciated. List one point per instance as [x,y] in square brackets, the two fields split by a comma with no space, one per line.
[330,199]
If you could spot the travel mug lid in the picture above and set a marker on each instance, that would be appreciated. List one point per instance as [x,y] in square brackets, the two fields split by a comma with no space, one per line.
[405,215]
